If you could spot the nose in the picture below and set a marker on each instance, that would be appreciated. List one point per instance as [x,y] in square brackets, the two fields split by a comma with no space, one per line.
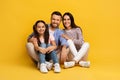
[55,21]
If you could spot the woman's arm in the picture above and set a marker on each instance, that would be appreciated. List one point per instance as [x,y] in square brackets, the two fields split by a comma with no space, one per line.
[65,36]
[52,47]
[79,39]
[37,47]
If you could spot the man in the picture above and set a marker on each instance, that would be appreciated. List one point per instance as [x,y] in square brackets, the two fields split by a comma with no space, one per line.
[62,49]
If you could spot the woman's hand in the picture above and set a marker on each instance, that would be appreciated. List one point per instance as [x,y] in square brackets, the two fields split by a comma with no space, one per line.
[52,47]
[49,49]
[42,50]
[65,36]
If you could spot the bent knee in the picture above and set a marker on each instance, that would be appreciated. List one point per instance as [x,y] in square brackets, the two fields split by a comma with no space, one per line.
[69,40]
[29,45]
[86,44]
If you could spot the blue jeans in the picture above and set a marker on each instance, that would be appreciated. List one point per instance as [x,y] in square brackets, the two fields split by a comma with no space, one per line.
[52,54]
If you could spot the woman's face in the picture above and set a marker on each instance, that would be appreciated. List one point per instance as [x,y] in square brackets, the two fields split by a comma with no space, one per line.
[40,28]
[67,21]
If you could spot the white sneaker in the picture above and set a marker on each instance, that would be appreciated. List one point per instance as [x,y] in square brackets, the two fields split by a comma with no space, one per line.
[49,65]
[43,68]
[57,68]
[69,64]
[84,64]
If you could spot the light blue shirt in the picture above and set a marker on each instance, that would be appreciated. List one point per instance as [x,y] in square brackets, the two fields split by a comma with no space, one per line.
[59,39]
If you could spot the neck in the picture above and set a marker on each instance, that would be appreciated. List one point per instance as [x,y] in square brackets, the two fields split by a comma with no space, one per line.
[41,35]
[52,28]
[68,28]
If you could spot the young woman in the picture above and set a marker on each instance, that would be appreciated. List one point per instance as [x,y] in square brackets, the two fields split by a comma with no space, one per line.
[45,45]
[78,47]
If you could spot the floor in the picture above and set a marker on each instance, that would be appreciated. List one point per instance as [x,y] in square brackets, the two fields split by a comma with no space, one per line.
[23,68]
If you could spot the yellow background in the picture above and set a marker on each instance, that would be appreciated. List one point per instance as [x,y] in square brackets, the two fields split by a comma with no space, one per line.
[99,20]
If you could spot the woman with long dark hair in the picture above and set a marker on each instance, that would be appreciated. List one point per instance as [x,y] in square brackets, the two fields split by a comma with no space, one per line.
[78,47]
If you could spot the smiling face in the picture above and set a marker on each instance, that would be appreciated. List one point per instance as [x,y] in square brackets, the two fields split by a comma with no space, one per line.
[67,22]
[55,20]
[40,28]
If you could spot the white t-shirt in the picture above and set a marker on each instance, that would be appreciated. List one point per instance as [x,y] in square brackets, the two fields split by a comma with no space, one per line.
[51,32]
[51,38]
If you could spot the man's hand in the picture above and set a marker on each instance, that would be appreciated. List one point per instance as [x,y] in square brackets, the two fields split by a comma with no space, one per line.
[33,39]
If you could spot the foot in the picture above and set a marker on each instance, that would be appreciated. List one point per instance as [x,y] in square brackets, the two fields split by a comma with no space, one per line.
[49,65]
[84,64]
[69,64]
[57,68]
[43,68]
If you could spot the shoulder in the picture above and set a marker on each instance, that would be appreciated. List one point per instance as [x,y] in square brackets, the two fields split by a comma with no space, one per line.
[59,31]
[75,29]
[78,29]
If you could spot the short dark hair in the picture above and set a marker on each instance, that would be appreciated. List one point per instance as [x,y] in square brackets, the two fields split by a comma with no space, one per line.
[56,13]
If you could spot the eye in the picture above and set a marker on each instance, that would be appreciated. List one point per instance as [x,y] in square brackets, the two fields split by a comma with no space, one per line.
[68,19]
[38,26]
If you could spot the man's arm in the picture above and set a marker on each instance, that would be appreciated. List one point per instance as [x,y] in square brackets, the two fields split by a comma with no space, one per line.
[29,39]
[63,41]
[64,45]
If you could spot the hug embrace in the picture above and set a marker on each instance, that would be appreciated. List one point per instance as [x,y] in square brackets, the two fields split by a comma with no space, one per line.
[48,46]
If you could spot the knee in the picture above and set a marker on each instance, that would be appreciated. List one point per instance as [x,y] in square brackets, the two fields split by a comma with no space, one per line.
[86,44]
[29,45]
[30,48]
[69,41]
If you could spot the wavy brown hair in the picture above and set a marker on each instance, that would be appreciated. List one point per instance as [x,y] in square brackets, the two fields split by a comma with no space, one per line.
[46,33]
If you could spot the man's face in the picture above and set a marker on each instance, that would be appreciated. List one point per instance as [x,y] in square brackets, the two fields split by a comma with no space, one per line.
[55,20]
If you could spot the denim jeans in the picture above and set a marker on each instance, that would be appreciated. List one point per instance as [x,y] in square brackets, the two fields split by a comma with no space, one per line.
[52,54]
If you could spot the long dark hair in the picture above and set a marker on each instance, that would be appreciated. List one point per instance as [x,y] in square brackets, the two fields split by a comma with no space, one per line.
[73,25]
[46,33]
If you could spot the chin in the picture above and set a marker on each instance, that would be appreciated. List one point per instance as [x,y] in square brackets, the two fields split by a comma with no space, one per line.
[55,26]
